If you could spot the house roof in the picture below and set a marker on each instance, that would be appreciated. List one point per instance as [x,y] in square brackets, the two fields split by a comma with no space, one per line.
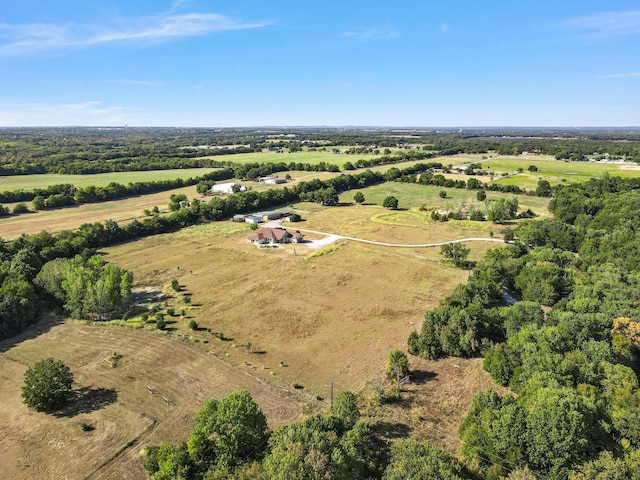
[277,234]
[270,233]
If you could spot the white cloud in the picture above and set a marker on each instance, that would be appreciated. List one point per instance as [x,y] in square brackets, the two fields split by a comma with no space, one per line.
[36,37]
[370,33]
[606,24]
[621,75]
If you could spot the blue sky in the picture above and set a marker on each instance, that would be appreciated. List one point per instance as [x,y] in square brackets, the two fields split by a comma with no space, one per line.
[325,62]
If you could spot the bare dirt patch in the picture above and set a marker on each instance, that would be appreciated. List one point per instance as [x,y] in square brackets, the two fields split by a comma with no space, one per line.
[126,414]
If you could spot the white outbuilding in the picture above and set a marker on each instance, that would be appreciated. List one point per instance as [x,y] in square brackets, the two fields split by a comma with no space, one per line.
[227,188]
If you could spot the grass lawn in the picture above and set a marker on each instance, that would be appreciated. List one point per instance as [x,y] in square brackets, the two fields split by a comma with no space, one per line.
[29,182]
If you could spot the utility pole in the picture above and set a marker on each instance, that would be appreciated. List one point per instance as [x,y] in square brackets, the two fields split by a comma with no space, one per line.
[331,396]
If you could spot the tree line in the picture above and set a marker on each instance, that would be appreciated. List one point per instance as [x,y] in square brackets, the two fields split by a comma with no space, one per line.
[231,440]
[88,150]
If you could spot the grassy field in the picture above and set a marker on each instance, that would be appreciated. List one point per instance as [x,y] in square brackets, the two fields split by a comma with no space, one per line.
[553,170]
[305,156]
[304,307]
[69,218]
[126,414]
[413,196]
[126,210]
[434,404]
[292,320]
[29,182]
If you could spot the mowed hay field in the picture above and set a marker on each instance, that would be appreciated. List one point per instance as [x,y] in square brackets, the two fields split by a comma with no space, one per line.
[69,218]
[116,401]
[310,315]
[30,182]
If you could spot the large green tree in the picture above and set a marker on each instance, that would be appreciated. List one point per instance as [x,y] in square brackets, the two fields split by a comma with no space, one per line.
[397,364]
[322,447]
[457,253]
[228,432]
[502,209]
[47,385]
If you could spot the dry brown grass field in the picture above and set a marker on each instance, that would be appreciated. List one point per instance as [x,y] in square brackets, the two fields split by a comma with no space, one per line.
[333,313]
[70,218]
[294,318]
[434,404]
[116,401]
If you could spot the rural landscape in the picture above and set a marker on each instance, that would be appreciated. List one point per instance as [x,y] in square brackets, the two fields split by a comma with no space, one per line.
[290,303]
[330,240]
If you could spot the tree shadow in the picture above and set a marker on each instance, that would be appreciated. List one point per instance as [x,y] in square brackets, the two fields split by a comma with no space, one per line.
[420,377]
[87,400]
[391,429]
[39,327]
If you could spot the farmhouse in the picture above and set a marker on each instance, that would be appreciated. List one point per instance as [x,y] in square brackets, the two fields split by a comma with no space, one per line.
[275,235]
[227,188]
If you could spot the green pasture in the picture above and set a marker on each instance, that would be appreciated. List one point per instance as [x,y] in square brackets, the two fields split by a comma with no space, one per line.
[312,158]
[29,182]
[555,171]
[412,195]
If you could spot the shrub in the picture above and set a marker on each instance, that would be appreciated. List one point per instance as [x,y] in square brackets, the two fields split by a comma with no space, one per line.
[390,203]
[86,427]
[20,208]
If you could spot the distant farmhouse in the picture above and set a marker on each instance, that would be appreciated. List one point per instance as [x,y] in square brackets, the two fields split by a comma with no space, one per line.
[275,235]
[271,180]
[228,188]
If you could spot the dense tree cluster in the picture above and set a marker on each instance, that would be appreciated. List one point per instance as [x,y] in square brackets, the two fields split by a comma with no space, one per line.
[88,288]
[231,440]
[568,348]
